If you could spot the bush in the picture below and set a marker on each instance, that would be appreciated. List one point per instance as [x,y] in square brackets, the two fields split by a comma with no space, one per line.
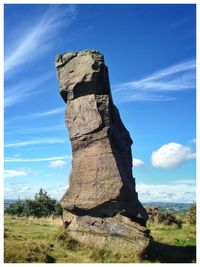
[191,214]
[41,206]
[15,208]
[169,219]
[162,217]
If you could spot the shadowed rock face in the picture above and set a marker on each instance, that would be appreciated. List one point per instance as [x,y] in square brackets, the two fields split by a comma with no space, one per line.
[101,181]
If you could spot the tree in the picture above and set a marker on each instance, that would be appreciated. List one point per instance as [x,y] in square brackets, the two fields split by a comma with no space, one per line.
[30,208]
[45,205]
[41,206]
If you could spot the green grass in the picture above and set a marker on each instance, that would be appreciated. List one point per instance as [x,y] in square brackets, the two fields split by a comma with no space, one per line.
[44,240]
[172,235]
[172,244]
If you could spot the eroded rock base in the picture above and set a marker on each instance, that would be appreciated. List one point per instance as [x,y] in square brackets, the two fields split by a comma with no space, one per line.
[118,234]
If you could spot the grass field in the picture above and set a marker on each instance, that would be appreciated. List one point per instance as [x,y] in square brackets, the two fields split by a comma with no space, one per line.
[44,240]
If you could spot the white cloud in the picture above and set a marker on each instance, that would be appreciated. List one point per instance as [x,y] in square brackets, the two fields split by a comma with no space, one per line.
[17,155]
[17,92]
[185,181]
[137,162]
[32,42]
[171,155]
[49,112]
[17,191]
[57,191]
[14,173]
[184,193]
[41,37]
[45,141]
[8,190]
[37,159]
[58,127]
[24,189]
[57,164]
[160,85]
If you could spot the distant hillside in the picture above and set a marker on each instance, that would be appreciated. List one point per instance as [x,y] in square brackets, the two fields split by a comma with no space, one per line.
[178,208]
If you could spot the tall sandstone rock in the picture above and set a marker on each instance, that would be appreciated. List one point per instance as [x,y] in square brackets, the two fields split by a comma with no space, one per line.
[101,206]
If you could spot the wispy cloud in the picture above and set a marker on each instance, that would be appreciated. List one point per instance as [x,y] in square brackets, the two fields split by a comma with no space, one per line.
[44,141]
[173,26]
[14,173]
[18,92]
[31,44]
[44,33]
[37,159]
[57,127]
[49,112]
[160,85]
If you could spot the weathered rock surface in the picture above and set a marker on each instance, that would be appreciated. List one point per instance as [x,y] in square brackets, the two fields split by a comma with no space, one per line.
[118,234]
[101,182]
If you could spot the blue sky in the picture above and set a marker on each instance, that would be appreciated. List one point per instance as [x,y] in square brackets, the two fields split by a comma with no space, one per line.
[150,51]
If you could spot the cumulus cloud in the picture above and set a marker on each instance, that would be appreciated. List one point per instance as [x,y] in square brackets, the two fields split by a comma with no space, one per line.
[171,155]
[137,162]
[57,164]
[182,193]
[14,173]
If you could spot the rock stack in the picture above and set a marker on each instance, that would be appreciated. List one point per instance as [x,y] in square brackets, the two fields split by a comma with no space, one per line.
[100,207]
